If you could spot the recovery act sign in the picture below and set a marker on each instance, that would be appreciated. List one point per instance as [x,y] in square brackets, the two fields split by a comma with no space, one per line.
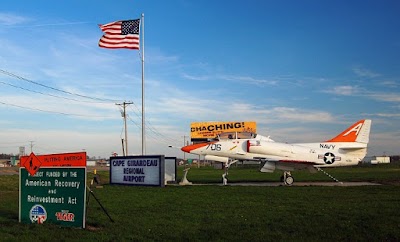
[53,195]
[52,189]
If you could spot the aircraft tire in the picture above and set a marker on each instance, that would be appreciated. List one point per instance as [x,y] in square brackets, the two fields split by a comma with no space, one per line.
[289,180]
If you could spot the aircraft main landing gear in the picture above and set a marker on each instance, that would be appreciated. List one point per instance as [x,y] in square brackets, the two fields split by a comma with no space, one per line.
[287,178]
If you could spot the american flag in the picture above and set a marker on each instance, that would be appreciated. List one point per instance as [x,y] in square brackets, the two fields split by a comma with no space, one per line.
[120,34]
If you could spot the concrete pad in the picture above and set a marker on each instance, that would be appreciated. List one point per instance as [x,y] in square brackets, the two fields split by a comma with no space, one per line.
[296,184]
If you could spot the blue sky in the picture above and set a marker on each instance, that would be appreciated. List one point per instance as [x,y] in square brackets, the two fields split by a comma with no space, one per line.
[303,70]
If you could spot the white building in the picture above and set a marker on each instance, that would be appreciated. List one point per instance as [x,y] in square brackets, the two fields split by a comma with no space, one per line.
[376,160]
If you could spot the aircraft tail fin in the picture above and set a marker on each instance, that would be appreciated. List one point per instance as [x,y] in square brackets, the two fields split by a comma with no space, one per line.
[358,132]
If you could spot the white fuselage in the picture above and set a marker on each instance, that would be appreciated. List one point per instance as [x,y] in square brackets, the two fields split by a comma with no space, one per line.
[318,154]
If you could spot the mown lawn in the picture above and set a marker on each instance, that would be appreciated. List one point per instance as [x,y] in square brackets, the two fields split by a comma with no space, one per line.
[228,213]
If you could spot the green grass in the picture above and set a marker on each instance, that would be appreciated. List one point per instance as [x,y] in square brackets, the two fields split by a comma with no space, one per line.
[228,213]
[385,173]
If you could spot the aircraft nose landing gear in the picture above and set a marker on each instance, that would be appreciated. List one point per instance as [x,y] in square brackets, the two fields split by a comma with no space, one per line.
[287,178]
[224,176]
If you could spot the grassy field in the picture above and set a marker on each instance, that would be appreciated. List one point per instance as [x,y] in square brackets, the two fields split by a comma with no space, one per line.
[228,213]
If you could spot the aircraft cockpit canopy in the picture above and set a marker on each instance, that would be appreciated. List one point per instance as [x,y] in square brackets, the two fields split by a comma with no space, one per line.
[236,135]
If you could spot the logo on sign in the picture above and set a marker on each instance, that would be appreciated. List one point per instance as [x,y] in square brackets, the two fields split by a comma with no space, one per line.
[64,215]
[38,214]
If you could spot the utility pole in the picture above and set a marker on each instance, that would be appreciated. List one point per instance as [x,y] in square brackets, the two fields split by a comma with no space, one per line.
[184,144]
[124,104]
[31,145]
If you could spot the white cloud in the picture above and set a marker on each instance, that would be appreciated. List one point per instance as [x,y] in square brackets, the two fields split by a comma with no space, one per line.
[196,78]
[12,19]
[362,72]
[156,56]
[189,108]
[383,143]
[231,78]
[386,97]
[248,80]
[390,84]
[197,108]
[388,115]
[287,114]
[344,90]
[356,91]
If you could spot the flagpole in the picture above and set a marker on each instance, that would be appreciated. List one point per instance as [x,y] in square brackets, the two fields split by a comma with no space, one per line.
[143,110]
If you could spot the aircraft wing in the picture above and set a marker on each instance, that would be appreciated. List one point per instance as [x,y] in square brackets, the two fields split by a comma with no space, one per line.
[270,165]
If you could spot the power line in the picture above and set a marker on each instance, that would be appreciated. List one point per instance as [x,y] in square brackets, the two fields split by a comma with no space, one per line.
[150,127]
[55,89]
[46,94]
[157,134]
[95,99]
[49,111]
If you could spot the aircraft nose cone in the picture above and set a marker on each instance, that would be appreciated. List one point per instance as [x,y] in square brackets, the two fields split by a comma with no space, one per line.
[186,149]
[191,148]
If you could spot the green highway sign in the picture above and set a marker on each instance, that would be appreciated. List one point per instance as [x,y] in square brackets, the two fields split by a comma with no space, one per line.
[53,195]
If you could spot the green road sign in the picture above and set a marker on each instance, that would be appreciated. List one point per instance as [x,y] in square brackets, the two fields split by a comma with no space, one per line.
[53,195]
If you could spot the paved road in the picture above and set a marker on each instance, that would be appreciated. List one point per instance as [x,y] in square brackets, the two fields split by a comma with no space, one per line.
[305,184]
[9,171]
[15,170]
[296,184]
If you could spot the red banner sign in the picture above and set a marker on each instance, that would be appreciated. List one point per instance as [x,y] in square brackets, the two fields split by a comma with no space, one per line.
[64,159]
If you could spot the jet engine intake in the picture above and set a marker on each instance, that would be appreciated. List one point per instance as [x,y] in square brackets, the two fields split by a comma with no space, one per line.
[252,143]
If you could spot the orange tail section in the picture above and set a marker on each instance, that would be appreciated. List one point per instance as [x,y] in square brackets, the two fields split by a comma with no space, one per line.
[358,132]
